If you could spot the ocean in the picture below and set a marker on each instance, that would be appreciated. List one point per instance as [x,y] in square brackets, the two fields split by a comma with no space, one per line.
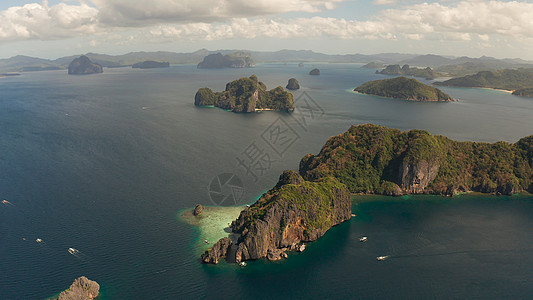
[106,163]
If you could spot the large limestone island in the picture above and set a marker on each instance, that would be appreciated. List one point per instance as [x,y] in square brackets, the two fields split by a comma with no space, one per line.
[427,73]
[236,59]
[507,79]
[246,95]
[403,88]
[294,212]
[150,64]
[84,66]
[369,159]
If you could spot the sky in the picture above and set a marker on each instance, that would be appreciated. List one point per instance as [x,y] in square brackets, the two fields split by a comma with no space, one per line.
[55,28]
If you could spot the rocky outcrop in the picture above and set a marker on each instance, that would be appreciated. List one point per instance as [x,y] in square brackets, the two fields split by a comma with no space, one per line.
[150,64]
[246,95]
[81,289]
[293,84]
[218,251]
[403,88]
[373,65]
[314,72]
[233,60]
[198,210]
[427,73]
[416,176]
[294,211]
[83,66]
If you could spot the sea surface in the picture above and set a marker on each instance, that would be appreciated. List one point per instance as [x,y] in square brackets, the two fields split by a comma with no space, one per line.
[106,163]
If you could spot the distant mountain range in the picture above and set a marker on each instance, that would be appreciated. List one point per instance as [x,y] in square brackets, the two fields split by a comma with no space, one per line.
[454,66]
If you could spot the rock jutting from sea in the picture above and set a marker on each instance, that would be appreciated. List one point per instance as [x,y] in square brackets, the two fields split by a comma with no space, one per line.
[84,66]
[314,72]
[81,289]
[246,95]
[293,84]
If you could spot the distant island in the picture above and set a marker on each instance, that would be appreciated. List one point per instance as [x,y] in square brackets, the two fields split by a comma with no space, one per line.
[236,59]
[83,66]
[293,84]
[506,79]
[150,64]
[314,72]
[403,88]
[525,92]
[373,65]
[246,95]
[369,159]
[427,73]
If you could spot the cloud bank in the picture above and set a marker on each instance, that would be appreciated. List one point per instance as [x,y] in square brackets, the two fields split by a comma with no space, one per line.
[160,20]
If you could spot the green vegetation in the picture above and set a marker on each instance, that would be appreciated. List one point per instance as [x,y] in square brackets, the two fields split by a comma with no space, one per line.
[371,159]
[314,203]
[507,79]
[246,95]
[525,92]
[409,71]
[403,88]
[237,59]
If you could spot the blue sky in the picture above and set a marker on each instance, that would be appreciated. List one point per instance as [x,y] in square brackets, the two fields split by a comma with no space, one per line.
[55,28]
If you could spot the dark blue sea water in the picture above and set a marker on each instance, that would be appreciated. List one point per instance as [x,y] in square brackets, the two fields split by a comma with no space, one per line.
[103,163]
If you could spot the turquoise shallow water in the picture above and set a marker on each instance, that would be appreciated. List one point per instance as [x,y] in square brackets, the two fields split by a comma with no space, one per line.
[104,163]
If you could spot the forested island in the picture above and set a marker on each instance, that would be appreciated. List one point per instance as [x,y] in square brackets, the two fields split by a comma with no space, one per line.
[506,79]
[370,159]
[236,59]
[403,88]
[246,95]
[427,73]
[83,66]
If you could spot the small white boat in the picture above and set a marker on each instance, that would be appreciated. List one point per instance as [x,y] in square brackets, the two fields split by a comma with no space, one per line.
[363,239]
[382,257]
[206,241]
[39,240]
[72,251]
[242,264]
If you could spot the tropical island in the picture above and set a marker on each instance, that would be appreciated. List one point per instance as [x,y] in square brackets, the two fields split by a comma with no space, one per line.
[427,73]
[373,65]
[403,88]
[150,64]
[237,59]
[246,95]
[83,66]
[506,79]
[369,159]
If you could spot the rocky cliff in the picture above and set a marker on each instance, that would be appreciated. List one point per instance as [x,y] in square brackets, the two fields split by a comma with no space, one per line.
[232,60]
[246,95]
[81,289]
[295,211]
[83,66]
[375,159]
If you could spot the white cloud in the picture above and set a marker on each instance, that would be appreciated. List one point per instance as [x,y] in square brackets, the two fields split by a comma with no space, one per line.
[167,20]
[139,13]
[384,2]
[39,21]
